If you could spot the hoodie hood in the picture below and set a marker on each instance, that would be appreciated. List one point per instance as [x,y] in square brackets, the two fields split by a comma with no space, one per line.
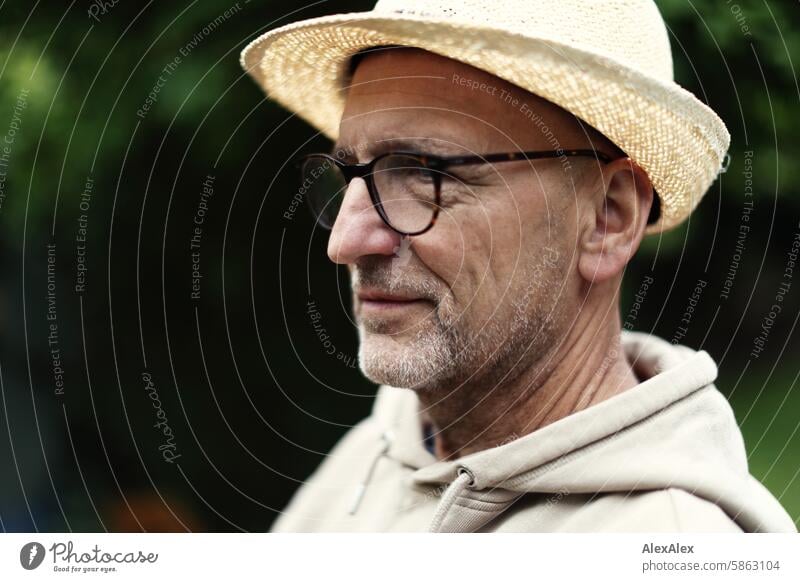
[674,430]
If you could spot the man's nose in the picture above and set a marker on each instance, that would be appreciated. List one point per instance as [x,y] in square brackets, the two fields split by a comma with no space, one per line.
[359,230]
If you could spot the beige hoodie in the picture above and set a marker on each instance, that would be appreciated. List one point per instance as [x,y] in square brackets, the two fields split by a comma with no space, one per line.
[664,456]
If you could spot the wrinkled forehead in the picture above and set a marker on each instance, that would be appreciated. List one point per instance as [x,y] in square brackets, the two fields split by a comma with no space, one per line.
[401,92]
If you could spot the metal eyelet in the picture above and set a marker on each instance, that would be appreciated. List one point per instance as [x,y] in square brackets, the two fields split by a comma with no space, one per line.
[464,471]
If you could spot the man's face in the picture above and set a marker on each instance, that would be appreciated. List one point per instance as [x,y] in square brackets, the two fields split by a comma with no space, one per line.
[492,286]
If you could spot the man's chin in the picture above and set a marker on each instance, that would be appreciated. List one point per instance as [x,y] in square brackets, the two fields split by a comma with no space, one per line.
[400,362]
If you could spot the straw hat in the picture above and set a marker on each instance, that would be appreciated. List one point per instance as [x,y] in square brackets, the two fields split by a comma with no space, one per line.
[609,63]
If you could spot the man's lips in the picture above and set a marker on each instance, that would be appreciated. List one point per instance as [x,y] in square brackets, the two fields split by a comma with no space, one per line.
[381,301]
[376,295]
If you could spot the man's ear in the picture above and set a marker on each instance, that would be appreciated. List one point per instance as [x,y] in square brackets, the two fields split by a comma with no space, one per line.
[615,221]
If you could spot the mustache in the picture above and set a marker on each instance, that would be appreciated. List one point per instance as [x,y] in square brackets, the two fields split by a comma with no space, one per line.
[385,274]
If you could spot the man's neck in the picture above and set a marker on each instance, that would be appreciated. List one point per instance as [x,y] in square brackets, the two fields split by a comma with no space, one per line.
[589,366]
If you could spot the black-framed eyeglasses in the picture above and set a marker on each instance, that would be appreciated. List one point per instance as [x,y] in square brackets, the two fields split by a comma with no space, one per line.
[405,188]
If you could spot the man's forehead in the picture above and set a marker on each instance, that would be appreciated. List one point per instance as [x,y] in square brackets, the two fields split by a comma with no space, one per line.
[400,92]
[411,77]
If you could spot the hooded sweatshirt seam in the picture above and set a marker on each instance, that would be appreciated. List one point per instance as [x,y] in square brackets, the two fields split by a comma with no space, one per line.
[488,502]
[699,498]
[481,509]
[676,515]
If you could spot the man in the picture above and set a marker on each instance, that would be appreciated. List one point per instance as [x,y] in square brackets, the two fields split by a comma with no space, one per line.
[495,169]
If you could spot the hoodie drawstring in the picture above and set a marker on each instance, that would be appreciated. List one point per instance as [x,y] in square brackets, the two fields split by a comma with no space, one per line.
[464,480]
[361,489]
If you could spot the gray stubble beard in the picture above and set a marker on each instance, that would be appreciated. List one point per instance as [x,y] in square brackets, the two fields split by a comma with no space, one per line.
[444,356]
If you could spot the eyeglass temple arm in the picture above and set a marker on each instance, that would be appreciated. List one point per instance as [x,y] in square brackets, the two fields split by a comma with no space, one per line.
[518,156]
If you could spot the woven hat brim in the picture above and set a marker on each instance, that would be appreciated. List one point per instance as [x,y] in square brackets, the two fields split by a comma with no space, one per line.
[678,140]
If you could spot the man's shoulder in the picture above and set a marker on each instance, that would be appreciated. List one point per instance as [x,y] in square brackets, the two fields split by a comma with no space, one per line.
[335,479]
[670,510]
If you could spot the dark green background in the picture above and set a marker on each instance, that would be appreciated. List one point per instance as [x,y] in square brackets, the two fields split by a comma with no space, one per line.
[257,413]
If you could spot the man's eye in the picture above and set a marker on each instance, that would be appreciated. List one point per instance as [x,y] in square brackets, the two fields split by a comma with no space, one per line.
[413,174]
[419,174]
[465,175]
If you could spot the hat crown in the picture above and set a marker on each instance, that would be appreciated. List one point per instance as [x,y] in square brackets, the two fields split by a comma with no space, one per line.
[631,32]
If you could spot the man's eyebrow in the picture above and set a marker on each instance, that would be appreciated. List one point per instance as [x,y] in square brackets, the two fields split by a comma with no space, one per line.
[421,145]
[346,152]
